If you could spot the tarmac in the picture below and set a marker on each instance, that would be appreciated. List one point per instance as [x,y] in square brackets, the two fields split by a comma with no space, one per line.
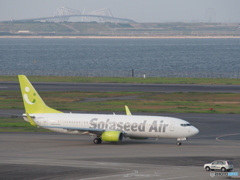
[63,156]
[43,156]
[113,87]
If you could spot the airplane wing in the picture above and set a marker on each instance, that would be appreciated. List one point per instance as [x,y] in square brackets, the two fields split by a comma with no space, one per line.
[89,131]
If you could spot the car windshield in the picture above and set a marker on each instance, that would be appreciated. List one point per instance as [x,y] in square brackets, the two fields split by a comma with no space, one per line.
[230,162]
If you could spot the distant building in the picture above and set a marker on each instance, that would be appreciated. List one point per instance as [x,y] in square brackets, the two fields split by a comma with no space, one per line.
[24,32]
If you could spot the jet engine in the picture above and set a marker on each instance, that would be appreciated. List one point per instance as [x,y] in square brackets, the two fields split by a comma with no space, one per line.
[112,136]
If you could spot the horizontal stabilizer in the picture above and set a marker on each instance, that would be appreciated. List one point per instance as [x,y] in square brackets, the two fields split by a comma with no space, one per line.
[31,120]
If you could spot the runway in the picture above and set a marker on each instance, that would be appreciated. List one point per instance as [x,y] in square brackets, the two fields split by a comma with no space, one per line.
[111,87]
[62,156]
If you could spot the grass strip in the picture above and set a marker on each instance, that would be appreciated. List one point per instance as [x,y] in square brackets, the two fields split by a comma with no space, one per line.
[137,101]
[18,125]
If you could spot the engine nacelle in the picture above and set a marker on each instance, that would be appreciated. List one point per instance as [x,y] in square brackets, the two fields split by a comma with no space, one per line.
[112,136]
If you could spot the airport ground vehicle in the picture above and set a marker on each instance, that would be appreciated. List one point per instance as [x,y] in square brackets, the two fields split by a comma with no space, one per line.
[223,165]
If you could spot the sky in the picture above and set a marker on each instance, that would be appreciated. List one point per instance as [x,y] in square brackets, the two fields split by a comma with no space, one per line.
[137,10]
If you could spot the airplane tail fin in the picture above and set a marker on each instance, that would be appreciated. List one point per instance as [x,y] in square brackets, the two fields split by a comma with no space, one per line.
[33,103]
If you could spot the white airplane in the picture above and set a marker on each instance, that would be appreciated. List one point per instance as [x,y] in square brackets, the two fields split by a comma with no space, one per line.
[108,128]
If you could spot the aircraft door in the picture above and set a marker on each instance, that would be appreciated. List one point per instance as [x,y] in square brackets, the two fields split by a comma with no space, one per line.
[171,127]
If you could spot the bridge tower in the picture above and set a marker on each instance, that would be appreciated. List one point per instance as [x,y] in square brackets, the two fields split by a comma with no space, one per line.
[61,14]
[103,12]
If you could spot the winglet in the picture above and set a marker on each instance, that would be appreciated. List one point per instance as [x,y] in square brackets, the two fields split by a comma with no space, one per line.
[33,103]
[127,111]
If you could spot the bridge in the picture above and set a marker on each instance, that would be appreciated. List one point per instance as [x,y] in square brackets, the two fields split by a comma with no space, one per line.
[63,14]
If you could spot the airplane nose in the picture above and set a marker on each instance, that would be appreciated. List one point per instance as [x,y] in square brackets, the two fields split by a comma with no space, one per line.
[194,131]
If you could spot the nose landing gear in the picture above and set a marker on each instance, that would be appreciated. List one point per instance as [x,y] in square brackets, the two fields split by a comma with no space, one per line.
[179,143]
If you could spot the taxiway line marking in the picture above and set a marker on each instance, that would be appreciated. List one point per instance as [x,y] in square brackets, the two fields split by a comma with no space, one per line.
[217,138]
[180,177]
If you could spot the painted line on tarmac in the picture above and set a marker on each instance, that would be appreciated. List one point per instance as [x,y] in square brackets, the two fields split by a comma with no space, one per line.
[225,135]
[98,165]
[104,177]
[180,177]
[134,175]
[63,163]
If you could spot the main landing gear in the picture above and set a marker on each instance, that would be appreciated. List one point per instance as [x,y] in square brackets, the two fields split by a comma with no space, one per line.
[97,140]
[179,143]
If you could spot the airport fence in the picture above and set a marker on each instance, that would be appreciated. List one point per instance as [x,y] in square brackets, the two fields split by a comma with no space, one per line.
[130,73]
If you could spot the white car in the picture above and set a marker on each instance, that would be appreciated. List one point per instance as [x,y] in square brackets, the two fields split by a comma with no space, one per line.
[223,165]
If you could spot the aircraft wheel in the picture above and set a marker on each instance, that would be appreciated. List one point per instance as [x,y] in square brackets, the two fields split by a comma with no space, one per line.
[179,143]
[97,140]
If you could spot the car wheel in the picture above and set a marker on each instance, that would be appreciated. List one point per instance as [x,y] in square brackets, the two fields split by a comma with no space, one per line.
[207,168]
[223,169]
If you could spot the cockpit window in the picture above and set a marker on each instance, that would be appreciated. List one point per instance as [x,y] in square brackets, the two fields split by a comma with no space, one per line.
[184,125]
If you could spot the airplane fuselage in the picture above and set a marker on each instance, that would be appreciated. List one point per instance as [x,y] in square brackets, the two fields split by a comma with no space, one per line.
[132,126]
